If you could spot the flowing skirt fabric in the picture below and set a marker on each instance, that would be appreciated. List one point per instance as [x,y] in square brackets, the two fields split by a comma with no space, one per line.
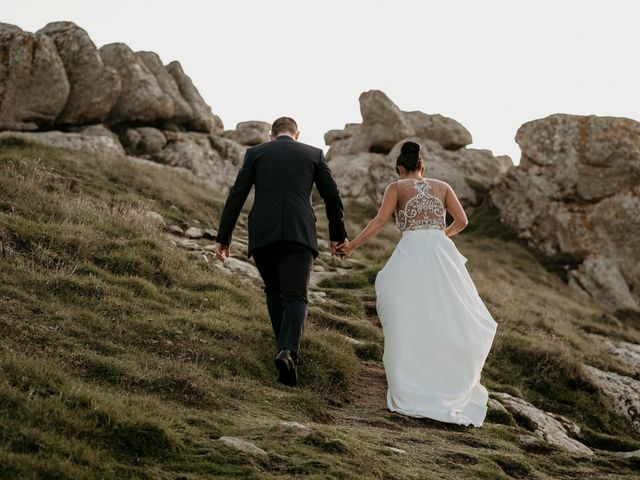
[437,331]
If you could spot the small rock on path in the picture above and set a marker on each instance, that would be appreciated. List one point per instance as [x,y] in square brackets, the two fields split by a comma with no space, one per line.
[295,427]
[242,445]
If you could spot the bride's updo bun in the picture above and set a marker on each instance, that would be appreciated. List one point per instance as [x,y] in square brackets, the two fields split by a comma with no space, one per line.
[410,147]
[409,157]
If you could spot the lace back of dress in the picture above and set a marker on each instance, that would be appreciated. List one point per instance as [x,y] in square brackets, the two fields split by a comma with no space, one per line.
[421,205]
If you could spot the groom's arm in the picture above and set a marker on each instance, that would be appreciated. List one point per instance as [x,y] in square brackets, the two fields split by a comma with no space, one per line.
[331,196]
[235,201]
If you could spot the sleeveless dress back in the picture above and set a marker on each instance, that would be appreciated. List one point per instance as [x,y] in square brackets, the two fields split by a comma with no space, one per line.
[437,330]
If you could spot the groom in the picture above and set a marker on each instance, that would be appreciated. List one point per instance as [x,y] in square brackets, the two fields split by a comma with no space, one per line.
[282,231]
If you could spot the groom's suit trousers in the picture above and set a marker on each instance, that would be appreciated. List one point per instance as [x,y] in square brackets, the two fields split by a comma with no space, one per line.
[285,268]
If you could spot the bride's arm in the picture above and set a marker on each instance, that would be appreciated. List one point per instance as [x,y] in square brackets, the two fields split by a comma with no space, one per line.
[387,207]
[453,206]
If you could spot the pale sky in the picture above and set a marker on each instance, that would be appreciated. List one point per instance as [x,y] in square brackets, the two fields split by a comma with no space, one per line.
[491,64]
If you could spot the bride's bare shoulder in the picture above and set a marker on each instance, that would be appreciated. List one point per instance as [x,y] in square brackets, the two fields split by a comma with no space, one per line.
[402,181]
[392,187]
[435,181]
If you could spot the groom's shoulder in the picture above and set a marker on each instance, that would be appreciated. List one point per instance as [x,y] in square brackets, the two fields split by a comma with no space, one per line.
[310,148]
[275,145]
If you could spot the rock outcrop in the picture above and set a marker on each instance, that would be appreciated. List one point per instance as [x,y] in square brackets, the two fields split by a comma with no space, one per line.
[182,111]
[33,84]
[249,133]
[549,427]
[94,87]
[143,140]
[214,159]
[362,156]
[576,195]
[384,125]
[626,353]
[202,119]
[57,78]
[65,92]
[141,99]
[91,143]
[623,391]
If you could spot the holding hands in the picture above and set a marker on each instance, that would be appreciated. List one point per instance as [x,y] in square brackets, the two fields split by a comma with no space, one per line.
[342,250]
[334,249]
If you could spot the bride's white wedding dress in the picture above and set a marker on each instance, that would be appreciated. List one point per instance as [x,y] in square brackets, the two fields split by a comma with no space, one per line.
[437,330]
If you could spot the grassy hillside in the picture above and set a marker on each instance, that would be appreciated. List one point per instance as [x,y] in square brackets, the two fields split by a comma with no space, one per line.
[124,356]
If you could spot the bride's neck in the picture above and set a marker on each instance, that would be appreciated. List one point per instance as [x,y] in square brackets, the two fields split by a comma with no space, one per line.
[414,175]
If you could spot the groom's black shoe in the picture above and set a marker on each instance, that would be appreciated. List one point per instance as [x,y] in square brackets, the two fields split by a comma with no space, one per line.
[286,365]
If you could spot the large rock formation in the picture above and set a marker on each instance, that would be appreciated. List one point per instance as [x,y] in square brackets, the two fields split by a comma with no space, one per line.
[94,87]
[33,83]
[86,142]
[384,124]
[203,119]
[58,79]
[249,133]
[141,99]
[182,111]
[576,195]
[362,156]
[214,159]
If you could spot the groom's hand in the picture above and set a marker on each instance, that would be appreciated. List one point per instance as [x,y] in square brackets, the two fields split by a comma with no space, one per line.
[222,251]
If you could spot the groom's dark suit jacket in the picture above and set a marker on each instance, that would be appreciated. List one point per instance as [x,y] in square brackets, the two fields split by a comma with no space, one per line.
[283,172]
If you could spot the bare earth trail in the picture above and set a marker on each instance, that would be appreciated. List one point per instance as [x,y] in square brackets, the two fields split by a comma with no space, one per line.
[368,399]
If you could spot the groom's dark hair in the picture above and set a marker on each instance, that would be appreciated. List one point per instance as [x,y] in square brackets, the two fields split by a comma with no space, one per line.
[284,125]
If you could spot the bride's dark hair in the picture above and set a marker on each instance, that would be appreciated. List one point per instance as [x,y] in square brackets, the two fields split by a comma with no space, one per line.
[409,157]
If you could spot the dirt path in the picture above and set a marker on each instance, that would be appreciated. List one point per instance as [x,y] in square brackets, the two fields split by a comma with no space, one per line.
[369,406]
[370,389]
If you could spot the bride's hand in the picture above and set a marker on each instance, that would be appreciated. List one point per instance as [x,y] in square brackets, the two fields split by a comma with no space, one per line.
[346,249]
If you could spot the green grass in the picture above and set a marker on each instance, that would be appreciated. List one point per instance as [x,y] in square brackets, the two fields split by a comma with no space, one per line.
[123,356]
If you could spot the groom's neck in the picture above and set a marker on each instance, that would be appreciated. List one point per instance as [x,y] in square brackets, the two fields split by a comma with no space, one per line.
[285,134]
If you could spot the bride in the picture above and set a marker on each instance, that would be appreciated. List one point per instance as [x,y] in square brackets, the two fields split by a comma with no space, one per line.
[437,330]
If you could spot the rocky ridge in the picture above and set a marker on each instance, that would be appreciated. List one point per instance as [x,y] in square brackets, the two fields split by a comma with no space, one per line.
[362,156]
[58,88]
